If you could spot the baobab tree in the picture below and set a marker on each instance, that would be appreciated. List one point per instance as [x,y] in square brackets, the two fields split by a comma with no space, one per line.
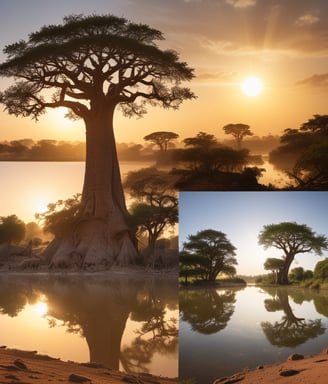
[238,131]
[95,64]
[292,239]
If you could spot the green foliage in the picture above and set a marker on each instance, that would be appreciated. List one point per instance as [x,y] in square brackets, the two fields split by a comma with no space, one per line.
[299,274]
[292,239]
[61,216]
[321,269]
[12,229]
[209,252]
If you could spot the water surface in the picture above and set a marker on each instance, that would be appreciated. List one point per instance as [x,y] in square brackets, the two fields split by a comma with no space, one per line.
[223,331]
[122,323]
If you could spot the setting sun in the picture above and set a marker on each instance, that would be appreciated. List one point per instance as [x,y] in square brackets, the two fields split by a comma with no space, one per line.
[252,86]
[41,308]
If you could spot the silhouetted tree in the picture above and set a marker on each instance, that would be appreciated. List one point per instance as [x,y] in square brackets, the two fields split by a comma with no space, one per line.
[317,124]
[274,265]
[12,230]
[303,154]
[292,239]
[204,155]
[189,265]
[238,131]
[161,139]
[95,64]
[60,216]
[202,141]
[156,206]
[311,168]
[213,253]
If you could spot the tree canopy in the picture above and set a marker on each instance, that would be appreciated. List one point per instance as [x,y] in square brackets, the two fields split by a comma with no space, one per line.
[156,205]
[88,57]
[238,131]
[12,229]
[303,154]
[161,139]
[292,239]
[213,253]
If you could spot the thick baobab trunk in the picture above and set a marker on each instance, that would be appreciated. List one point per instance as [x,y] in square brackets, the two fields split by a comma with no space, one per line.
[101,235]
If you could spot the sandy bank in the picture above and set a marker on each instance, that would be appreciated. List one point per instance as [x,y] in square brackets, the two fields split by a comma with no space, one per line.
[22,367]
[309,370]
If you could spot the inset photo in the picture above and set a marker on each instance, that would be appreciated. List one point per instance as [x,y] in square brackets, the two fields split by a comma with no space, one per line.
[253,268]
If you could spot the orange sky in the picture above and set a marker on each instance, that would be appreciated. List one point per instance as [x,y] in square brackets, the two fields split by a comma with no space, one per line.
[283,42]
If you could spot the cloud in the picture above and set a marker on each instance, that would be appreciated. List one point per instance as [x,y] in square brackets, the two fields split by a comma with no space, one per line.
[217,77]
[315,81]
[241,3]
[306,20]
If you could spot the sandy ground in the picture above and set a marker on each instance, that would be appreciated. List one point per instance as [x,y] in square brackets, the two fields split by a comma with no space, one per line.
[310,370]
[24,367]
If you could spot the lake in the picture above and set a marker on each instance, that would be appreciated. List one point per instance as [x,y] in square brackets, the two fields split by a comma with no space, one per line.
[123,323]
[28,187]
[223,331]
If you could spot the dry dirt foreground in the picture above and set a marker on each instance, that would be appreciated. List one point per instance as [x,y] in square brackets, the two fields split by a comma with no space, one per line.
[310,370]
[24,367]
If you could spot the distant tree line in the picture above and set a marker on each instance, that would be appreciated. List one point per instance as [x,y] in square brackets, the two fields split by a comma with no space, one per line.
[53,150]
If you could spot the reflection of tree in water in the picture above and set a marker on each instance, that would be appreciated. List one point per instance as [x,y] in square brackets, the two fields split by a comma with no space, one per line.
[207,310]
[13,300]
[157,334]
[290,331]
[99,312]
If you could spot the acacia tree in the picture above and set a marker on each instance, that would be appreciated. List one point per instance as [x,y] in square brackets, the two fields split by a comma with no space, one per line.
[238,131]
[274,265]
[161,138]
[213,253]
[156,205]
[94,64]
[292,239]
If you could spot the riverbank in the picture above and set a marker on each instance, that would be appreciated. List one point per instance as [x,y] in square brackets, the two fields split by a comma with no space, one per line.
[18,366]
[296,370]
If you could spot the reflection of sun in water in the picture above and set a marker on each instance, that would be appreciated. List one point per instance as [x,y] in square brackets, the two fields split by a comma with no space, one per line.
[41,308]
[252,86]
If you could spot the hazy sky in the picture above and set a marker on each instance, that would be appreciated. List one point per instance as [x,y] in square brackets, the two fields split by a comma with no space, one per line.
[242,215]
[284,42]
